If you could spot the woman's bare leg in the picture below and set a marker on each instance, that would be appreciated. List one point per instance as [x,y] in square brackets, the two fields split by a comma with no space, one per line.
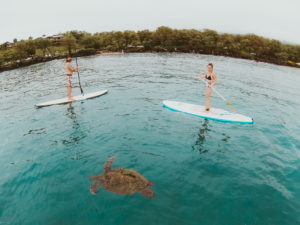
[69,92]
[208,94]
[69,80]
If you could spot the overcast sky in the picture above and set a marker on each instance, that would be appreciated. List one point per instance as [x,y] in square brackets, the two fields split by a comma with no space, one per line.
[278,19]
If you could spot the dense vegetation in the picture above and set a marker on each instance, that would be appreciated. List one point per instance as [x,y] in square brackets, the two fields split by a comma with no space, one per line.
[164,39]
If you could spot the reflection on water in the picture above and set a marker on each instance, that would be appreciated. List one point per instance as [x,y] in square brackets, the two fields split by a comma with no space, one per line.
[75,137]
[202,138]
[70,112]
[199,144]
[36,131]
[225,137]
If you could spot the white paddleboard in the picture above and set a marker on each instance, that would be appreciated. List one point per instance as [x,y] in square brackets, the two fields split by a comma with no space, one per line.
[213,114]
[75,98]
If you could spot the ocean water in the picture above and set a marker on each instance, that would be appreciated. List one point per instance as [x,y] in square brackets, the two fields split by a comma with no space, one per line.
[205,172]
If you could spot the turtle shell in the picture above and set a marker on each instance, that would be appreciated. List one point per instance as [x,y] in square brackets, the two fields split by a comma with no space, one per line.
[124,181]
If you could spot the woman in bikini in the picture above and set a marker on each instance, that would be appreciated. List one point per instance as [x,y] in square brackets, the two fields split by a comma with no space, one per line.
[70,71]
[211,79]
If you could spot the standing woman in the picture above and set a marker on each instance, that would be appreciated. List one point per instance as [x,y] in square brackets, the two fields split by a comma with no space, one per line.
[211,79]
[70,71]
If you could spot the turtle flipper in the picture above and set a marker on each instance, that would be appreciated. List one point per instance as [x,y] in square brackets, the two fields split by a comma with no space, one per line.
[151,183]
[94,187]
[107,165]
[97,177]
[147,192]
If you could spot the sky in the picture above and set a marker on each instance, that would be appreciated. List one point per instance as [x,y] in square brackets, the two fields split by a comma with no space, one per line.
[275,19]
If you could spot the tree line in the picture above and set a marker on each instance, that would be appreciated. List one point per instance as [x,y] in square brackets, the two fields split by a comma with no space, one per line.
[163,39]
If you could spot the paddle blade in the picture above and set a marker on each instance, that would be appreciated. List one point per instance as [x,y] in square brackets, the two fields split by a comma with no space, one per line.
[232,109]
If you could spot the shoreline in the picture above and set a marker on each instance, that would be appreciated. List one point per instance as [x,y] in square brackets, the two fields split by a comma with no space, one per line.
[38,60]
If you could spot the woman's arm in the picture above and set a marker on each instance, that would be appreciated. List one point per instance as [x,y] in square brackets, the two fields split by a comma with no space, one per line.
[214,79]
[200,76]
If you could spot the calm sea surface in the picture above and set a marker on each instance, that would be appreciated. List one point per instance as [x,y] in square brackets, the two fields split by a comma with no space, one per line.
[205,172]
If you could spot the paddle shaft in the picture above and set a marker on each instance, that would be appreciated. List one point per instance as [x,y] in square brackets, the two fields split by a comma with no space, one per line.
[78,77]
[232,109]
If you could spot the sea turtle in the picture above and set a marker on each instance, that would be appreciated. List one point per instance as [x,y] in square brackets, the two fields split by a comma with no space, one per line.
[121,181]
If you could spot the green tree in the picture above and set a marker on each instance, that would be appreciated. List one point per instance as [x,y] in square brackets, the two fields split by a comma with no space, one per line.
[69,42]
[25,49]
[89,41]
[281,57]
[118,40]
[78,35]
[131,38]
[105,39]
[195,41]
[145,37]
[2,60]
[162,37]
[209,40]
[30,48]
[43,44]
[12,55]
[3,46]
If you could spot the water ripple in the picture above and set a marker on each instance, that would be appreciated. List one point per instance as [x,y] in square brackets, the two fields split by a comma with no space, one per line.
[205,172]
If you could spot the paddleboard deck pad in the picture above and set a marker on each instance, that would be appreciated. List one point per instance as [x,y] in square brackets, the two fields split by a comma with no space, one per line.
[213,114]
[75,98]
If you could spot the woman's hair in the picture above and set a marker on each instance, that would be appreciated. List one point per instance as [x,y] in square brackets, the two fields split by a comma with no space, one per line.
[68,59]
[210,64]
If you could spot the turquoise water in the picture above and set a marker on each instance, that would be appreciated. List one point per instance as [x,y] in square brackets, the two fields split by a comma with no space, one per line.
[206,172]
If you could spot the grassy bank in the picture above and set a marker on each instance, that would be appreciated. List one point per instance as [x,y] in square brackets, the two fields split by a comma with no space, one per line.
[163,39]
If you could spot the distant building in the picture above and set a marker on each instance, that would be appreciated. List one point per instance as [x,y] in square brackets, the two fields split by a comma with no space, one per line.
[55,37]
[136,46]
[9,44]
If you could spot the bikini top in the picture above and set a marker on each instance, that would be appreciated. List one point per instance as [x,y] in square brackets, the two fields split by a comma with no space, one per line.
[208,77]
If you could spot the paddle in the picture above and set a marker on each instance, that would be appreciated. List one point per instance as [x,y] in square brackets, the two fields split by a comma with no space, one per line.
[232,109]
[79,77]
